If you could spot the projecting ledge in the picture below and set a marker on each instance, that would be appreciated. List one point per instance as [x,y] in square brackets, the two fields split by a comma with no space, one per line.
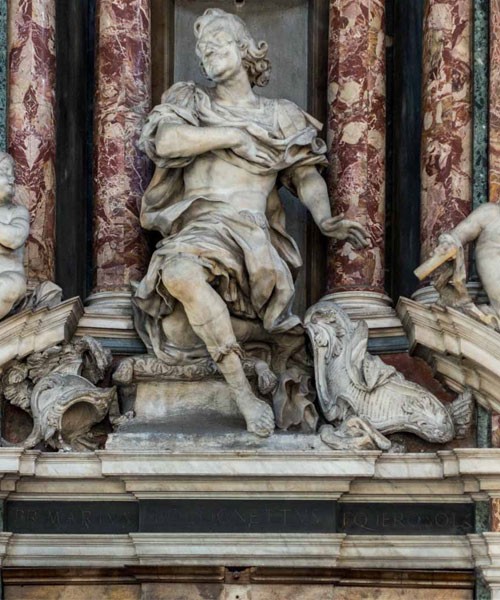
[327,550]
[467,462]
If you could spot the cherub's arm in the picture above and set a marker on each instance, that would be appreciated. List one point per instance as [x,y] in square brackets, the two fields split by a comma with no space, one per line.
[313,193]
[470,228]
[15,233]
[450,243]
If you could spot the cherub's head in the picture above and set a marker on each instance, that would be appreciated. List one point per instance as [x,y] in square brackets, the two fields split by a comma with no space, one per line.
[225,44]
[6,177]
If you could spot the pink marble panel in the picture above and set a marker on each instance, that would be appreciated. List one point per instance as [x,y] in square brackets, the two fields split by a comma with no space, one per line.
[31,126]
[123,98]
[356,138]
[495,514]
[494,149]
[447,114]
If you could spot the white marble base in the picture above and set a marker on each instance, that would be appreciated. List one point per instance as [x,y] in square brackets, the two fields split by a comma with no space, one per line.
[428,295]
[219,438]
[239,550]
[462,475]
[108,315]
[184,400]
[374,308]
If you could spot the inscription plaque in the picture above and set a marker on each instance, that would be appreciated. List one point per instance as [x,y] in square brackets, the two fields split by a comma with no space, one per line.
[407,519]
[237,516]
[71,517]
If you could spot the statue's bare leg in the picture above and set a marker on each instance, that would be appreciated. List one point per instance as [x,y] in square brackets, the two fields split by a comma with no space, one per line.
[209,318]
[180,333]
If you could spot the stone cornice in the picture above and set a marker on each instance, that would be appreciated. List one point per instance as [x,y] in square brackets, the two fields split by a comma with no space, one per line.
[327,472]
[462,351]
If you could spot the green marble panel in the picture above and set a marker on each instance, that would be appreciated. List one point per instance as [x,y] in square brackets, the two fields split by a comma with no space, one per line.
[479,196]
[482,517]
[482,591]
[483,428]
[480,102]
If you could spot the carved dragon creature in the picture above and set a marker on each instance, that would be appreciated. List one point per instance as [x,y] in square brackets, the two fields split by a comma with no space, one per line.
[350,382]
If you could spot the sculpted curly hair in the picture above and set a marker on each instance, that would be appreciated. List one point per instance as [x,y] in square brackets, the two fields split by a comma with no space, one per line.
[254,55]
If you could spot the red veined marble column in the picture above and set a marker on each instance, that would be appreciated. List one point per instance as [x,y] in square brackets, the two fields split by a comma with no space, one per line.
[356,141]
[123,100]
[447,119]
[494,137]
[31,126]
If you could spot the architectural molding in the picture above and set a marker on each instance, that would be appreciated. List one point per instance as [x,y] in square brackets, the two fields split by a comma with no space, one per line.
[35,330]
[461,476]
[239,550]
[462,351]
[448,473]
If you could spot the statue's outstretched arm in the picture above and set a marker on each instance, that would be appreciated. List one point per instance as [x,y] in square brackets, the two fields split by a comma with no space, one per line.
[313,193]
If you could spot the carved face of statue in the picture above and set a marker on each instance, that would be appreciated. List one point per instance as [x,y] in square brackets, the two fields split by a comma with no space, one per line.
[219,53]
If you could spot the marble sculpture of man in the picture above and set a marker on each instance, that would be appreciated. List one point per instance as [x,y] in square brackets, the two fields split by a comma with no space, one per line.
[223,273]
[14,231]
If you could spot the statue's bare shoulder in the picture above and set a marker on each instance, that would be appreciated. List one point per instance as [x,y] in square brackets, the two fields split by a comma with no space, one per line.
[487,212]
[293,117]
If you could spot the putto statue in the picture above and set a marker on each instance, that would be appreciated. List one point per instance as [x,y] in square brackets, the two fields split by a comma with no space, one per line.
[14,231]
[223,274]
[483,227]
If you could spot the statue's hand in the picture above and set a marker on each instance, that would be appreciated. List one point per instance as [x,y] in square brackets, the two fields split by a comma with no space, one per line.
[339,228]
[446,243]
[248,149]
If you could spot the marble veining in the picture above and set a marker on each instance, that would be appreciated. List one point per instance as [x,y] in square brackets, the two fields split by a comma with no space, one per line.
[494,105]
[356,138]
[480,100]
[123,96]
[447,115]
[3,75]
[31,127]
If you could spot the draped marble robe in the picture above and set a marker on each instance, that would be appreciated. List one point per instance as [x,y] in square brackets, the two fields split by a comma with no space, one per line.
[250,257]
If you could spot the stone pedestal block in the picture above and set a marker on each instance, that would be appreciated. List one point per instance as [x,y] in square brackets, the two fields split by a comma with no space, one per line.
[187,399]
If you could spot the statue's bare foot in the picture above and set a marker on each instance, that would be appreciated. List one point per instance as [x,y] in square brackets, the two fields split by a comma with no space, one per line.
[258,414]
